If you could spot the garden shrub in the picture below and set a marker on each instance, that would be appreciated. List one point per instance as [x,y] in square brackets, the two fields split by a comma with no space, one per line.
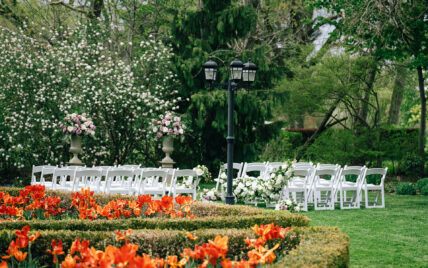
[282,147]
[412,165]
[306,246]
[406,188]
[237,220]
[318,247]
[424,190]
[421,183]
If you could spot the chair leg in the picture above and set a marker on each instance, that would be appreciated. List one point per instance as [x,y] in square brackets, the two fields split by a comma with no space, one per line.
[383,198]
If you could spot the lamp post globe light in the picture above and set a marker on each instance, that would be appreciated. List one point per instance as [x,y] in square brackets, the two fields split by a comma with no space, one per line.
[238,71]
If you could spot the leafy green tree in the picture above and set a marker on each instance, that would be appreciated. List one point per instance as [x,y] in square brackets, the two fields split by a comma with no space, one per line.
[394,30]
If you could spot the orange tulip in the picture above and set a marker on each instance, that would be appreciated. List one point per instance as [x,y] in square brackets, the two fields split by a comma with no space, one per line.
[57,249]
[190,236]
[69,262]
[34,237]
[13,247]
[3,264]
[19,255]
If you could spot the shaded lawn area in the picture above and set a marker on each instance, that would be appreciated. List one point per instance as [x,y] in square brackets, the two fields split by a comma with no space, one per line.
[395,236]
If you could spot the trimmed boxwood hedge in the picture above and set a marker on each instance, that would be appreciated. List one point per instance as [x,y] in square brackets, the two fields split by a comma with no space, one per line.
[318,247]
[302,247]
[221,222]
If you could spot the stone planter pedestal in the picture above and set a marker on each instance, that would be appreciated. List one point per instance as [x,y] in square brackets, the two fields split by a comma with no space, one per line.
[75,149]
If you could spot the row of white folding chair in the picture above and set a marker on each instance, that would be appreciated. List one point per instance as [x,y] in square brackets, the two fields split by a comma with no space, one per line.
[324,193]
[123,180]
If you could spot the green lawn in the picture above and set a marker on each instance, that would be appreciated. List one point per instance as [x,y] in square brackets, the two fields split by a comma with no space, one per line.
[395,236]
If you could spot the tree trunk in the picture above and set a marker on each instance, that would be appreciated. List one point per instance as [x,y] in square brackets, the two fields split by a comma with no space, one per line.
[397,94]
[421,143]
[366,98]
[320,129]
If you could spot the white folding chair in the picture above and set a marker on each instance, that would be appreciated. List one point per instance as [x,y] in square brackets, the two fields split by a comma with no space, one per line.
[118,181]
[299,188]
[324,191]
[185,181]
[153,182]
[47,171]
[63,179]
[37,179]
[302,164]
[379,188]
[88,178]
[223,169]
[274,166]
[259,168]
[347,186]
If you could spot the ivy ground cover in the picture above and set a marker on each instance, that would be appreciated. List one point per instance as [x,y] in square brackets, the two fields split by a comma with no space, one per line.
[395,236]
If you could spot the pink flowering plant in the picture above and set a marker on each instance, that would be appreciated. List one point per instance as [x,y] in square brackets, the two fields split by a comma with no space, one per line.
[168,125]
[78,124]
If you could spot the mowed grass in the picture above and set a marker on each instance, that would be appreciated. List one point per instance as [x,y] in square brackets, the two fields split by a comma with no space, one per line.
[396,236]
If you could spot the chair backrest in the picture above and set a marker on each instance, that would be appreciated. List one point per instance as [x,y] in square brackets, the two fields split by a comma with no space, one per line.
[332,172]
[353,172]
[302,164]
[273,166]
[87,177]
[123,175]
[377,171]
[254,167]
[47,170]
[61,176]
[131,166]
[154,178]
[37,169]
[236,166]
[186,174]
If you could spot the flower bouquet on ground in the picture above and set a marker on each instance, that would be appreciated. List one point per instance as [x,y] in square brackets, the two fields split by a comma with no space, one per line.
[78,124]
[289,205]
[210,195]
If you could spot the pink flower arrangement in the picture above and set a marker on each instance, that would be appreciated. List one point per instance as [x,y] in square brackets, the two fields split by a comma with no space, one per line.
[168,125]
[78,124]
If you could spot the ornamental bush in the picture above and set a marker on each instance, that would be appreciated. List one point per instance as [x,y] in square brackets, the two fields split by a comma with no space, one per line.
[421,183]
[43,82]
[406,188]
[424,190]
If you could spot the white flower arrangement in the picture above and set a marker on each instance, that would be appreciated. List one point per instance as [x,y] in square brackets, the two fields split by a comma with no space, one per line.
[203,173]
[263,188]
[289,205]
[210,195]
[78,124]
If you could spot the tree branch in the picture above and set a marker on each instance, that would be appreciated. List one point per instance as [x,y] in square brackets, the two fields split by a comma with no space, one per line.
[61,3]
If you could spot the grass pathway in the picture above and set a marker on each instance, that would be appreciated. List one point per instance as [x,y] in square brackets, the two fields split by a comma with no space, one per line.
[396,236]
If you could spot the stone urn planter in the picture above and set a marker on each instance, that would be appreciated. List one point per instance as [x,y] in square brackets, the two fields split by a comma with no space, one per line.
[76,149]
[167,148]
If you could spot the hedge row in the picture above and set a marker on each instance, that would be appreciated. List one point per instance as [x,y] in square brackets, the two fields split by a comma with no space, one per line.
[240,222]
[302,247]
[318,247]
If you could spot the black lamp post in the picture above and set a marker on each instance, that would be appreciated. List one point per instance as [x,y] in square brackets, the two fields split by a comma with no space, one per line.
[238,71]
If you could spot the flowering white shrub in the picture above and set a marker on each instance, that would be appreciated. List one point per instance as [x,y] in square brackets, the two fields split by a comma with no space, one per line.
[78,124]
[204,174]
[42,82]
[289,205]
[168,125]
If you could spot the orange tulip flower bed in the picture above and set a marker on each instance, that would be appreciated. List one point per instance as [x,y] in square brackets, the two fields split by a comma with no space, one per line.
[208,254]
[84,206]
